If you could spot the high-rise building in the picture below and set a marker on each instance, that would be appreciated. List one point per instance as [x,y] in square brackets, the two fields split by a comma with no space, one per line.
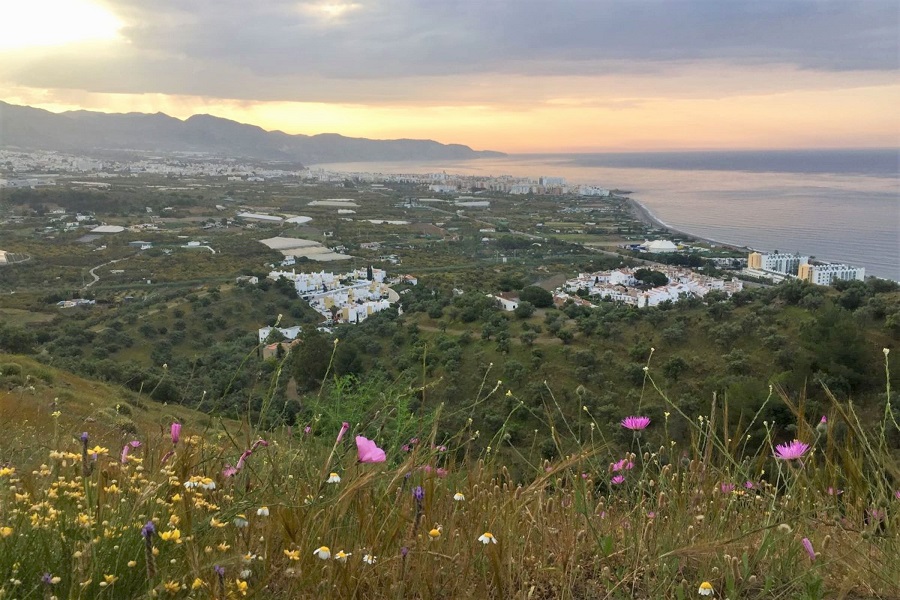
[786,264]
[827,274]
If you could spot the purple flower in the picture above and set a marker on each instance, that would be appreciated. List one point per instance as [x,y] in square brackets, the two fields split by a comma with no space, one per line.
[749,485]
[175,432]
[220,571]
[617,479]
[148,530]
[635,423]
[622,464]
[404,551]
[791,451]
[84,437]
[809,547]
[419,493]
[307,430]
[47,578]
[726,488]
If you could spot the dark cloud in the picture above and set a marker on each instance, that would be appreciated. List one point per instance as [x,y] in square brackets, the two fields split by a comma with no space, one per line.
[272,49]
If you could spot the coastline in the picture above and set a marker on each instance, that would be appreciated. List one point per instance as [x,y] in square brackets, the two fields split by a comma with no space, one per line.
[646,216]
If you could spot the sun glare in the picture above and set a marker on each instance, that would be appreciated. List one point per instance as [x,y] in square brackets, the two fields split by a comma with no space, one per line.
[41,23]
[331,10]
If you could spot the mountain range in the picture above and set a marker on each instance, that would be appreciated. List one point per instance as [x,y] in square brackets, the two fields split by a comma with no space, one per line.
[92,132]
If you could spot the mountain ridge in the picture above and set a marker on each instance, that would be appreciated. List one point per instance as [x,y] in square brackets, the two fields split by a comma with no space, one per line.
[87,131]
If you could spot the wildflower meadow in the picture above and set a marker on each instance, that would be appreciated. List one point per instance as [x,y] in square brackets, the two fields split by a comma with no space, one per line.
[387,504]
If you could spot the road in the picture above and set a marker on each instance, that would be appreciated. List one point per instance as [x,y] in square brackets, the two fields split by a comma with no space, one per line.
[97,277]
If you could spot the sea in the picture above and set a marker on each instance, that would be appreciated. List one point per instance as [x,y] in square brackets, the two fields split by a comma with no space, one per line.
[833,205]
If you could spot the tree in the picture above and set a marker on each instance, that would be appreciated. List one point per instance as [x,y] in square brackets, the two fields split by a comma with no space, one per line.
[524,309]
[651,277]
[537,296]
[369,274]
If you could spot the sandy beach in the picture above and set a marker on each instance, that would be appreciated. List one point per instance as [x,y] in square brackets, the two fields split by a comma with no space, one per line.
[644,215]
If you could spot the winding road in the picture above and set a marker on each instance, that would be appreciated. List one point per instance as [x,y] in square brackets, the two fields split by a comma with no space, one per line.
[97,277]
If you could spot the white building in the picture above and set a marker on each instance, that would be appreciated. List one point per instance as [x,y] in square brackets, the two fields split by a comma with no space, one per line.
[827,274]
[659,246]
[289,333]
[776,262]
[507,302]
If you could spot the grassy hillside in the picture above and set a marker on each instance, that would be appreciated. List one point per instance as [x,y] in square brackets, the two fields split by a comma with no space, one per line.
[441,516]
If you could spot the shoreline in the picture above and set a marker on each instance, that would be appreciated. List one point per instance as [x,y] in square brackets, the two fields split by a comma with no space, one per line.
[646,216]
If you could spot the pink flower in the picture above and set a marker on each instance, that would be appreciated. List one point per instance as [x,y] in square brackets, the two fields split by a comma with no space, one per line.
[792,451]
[344,427]
[175,431]
[727,488]
[368,452]
[635,423]
[897,494]
[229,471]
[833,492]
[748,485]
[809,548]
[127,448]
[617,479]
[622,464]
[307,430]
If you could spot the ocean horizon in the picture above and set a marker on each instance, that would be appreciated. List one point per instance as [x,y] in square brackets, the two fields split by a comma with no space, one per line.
[834,205]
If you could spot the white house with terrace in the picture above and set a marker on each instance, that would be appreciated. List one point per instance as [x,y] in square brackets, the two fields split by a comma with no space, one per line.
[348,298]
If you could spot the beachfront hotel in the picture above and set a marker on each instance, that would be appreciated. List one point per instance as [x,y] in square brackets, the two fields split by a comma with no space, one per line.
[827,274]
[783,264]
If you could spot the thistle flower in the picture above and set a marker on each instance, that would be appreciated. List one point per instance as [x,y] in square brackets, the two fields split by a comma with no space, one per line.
[487,538]
[706,589]
[323,552]
[822,427]
[635,423]
[175,432]
[791,451]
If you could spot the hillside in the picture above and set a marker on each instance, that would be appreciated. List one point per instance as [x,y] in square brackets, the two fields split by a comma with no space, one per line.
[86,131]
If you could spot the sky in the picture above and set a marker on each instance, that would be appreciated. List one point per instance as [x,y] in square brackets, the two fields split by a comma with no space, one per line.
[516,76]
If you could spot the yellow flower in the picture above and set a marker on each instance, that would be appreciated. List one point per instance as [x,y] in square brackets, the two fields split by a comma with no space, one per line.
[173,535]
[223,547]
[292,554]
[6,471]
[132,563]
[109,579]
[706,589]
[198,583]
[172,587]
[176,498]
[241,586]
[98,450]
[214,522]
[112,489]
[6,531]
[436,532]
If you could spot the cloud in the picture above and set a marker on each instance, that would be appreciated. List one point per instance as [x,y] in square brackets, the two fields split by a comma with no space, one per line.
[385,50]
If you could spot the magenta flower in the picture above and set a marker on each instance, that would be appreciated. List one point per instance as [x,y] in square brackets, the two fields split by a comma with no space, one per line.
[344,427]
[809,548]
[726,488]
[617,479]
[175,431]
[897,494]
[368,452]
[748,485]
[229,471]
[307,430]
[635,423]
[792,451]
